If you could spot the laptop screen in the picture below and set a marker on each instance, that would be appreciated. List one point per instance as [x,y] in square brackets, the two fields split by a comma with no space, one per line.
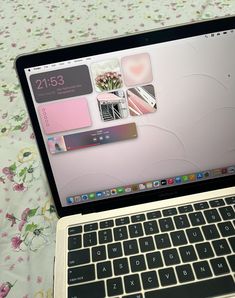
[138,119]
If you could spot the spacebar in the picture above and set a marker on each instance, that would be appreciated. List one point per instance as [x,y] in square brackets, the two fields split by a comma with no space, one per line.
[91,290]
[202,289]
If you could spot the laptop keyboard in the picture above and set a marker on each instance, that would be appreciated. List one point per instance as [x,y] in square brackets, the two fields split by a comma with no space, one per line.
[186,251]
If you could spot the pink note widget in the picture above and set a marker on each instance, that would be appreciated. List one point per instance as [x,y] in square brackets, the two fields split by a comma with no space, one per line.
[64,115]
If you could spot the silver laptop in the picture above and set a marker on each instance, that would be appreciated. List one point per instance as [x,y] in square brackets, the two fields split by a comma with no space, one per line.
[137,138]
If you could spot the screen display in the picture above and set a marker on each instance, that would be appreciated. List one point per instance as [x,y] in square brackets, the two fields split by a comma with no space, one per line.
[163,113]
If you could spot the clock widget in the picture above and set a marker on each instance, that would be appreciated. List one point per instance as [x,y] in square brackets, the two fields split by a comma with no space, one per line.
[61,83]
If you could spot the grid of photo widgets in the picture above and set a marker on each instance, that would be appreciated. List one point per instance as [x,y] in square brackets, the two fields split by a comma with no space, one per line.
[136,77]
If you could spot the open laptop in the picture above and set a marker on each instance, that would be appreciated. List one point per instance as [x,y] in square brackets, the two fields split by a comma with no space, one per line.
[137,137]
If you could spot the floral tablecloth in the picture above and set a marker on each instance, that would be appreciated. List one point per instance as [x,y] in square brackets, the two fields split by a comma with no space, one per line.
[27,214]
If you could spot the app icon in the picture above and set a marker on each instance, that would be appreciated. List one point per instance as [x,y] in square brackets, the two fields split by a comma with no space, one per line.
[217,172]
[199,176]
[192,177]
[113,191]
[149,184]
[231,170]
[120,190]
[206,174]
[185,178]
[107,193]
[142,186]
[128,189]
[91,195]
[156,183]
[70,200]
[224,171]
[77,199]
[84,197]
[135,187]
[99,194]
[170,181]
[178,180]
[163,182]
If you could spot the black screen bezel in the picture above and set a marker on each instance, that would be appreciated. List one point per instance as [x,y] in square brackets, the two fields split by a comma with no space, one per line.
[111,45]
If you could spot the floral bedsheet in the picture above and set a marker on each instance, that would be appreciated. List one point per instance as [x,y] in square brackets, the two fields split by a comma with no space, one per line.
[27,214]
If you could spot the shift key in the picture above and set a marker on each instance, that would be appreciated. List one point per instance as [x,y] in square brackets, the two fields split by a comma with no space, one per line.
[91,290]
[81,274]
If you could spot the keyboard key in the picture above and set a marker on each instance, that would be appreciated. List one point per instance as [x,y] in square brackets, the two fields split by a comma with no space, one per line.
[204,250]
[146,244]
[201,206]
[202,269]
[78,257]
[205,288]
[136,230]
[167,277]
[122,221]
[150,227]
[230,200]
[181,221]
[221,247]
[149,280]
[75,230]
[154,215]
[166,224]
[219,266]
[232,243]
[81,274]
[104,269]
[210,232]
[217,203]
[120,233]
[98,253]
[154,260]
[114,250]
[188,253]
[197,219]
[137,263]
[226,229]
[194,235]
[231,260]
[130,247]
[89,239]
[91,227]
[185,273]
[171,257]
[227,213]
[212,215]
[114,287]
[178,238]
[169,212]
[162,241]
[105,236]
[185,209]
[74,242]
[137,218]
[132,283]
[121,266]
[106,224]
[138,295]
[94,290]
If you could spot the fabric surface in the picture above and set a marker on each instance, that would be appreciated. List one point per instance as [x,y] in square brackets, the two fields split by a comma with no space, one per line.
[27,214]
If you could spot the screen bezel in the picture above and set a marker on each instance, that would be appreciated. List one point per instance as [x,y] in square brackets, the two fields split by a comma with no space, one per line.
[103,46]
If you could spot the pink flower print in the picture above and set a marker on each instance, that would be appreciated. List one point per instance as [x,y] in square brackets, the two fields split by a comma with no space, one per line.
[21,225]
[5,289]
[16,242]
[10,177]
[6,171]
[39,279]
[19,187]
[24,214]
[11,218]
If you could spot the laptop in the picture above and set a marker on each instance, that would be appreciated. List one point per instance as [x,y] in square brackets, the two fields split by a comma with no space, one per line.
[136,135]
